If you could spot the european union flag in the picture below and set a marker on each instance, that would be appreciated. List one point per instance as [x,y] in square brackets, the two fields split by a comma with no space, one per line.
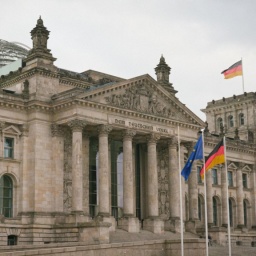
[197,153]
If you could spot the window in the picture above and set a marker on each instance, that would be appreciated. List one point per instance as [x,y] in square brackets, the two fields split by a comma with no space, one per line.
[199,179]
[12,240]
[245,185]
[230,205]
[230,121]
[199,209]
[245,212]
[215,211]
[214,177]
[230,179]
[219,123]
[8,147]
[6,194]
[241,119]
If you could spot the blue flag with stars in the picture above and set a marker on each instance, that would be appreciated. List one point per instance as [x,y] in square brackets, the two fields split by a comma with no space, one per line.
[196,154]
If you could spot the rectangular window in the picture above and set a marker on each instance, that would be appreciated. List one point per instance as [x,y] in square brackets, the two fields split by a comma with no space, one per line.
[214,177]
[199,179]
[8,147]
[245,185]
[230,179]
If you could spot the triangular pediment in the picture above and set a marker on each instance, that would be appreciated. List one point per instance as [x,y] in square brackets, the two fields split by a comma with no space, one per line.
[246,168]
[11,130]
[232,166]
[142,94]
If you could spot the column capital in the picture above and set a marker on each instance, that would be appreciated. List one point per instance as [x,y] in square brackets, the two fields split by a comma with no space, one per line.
[56,130]
[173,141]
[104,129]
[2,125]
[153,137]
[128,133]
[77,125]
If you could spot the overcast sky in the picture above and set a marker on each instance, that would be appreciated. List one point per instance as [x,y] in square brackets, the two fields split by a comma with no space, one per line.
[126,38]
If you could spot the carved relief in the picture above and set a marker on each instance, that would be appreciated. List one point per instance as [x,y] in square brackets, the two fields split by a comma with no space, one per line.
[67,193]
[163,183]
[141,97]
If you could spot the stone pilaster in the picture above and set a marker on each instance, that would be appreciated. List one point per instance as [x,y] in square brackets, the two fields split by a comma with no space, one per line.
[58,165]
[129,222]
[208,179]
[77,166]
[224,189]
[25,176]
[253,186]
[153,222]
[104,171]
[240,196]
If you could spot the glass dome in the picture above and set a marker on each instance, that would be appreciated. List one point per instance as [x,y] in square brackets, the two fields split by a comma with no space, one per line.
[10,52]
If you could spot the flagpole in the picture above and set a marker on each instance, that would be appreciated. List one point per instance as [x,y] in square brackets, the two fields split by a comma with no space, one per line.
[226,171]
[205,204]
[181,210]
[242,74]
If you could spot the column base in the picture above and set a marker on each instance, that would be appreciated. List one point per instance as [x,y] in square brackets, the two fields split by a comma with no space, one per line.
[190,226]
[107,219]
[130,224]
[173,225]
[77,217]
[155,226]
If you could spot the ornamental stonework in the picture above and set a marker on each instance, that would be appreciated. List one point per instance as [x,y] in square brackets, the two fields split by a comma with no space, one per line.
[163,183]
[67,193]
[142,98]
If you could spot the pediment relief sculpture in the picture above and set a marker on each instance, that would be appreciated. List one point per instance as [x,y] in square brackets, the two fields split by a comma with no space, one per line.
[142,98]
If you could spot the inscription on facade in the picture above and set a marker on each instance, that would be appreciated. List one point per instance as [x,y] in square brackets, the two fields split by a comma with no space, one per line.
[138,125]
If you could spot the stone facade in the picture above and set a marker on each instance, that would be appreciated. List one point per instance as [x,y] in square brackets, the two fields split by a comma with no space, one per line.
[85,154]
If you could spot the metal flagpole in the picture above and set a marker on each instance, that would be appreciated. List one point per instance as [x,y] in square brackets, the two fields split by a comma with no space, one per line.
[205,203]
[242,74]
[181,211]
[226,170]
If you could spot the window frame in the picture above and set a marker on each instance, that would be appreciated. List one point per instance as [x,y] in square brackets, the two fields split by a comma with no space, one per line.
[230,121]
[9,149]
[245,180]
[214,177]
[4,199]
[241,118]
[230,179]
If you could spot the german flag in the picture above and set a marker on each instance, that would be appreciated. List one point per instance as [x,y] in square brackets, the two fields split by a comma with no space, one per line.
[234,70]
[214,158]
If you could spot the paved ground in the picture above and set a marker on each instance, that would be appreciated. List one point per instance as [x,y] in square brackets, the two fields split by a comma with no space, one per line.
[235,251]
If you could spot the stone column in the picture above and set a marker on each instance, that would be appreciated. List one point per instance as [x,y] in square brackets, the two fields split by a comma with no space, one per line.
[129,222]
[153,222]
[104,177]
[182,163]
[240,196]
[224,197]
[58,165]
[192,194]
[174,187]
[77,166]
[208,179]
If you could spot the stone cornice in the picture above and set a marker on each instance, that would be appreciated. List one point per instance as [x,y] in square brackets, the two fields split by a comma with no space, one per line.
[125,112]
[18,76]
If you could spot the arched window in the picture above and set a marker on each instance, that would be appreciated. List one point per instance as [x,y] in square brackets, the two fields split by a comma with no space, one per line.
[230,121]
[219,123]
[241,119]
[215,211]
[6,196]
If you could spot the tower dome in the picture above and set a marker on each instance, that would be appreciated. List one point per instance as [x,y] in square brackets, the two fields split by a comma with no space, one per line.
[10,52]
